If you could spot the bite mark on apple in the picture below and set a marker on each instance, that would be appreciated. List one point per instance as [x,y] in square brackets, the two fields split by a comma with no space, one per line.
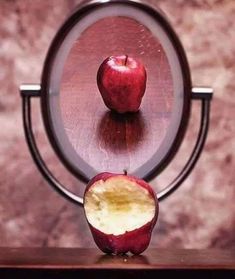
[121,211]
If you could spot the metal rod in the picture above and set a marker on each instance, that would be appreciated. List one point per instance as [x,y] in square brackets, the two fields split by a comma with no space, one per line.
[32,90]
[204,125]
[202,93]
[38,159]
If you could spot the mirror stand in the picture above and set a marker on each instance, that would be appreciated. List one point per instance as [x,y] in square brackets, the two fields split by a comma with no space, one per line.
[204,94]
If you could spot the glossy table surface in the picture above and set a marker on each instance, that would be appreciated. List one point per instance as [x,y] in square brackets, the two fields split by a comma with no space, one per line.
[91,263]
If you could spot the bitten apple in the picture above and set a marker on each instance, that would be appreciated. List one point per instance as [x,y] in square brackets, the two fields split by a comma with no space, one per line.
[121,211]
[122,82]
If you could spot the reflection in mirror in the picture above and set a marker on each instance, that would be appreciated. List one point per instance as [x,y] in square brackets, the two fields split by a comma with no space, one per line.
[132,139]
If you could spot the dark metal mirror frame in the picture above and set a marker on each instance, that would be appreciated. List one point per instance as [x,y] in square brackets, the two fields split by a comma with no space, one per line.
[201,93]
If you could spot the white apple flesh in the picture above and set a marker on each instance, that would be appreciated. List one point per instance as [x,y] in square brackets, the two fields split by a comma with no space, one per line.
[122,82]
[121,211]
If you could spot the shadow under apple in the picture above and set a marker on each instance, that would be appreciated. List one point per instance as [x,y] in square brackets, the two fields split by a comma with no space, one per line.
[122,259]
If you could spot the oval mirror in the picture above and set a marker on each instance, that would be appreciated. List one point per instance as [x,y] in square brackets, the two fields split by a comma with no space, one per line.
[86,135]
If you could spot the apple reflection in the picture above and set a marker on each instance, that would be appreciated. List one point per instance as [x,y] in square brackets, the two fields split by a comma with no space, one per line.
[121,132]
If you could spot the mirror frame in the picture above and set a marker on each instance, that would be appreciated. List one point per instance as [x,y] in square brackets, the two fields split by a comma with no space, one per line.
[80,12]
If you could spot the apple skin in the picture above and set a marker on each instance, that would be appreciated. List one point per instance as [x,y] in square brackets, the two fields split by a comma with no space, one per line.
[135,241]
[122,82]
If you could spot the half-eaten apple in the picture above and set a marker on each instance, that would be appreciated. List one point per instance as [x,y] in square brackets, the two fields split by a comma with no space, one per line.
[121,211]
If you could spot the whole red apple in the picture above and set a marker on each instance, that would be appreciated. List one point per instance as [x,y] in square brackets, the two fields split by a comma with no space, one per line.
[121,211]
[122,82]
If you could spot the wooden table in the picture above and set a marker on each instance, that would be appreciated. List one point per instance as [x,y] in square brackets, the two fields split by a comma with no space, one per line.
[91,263]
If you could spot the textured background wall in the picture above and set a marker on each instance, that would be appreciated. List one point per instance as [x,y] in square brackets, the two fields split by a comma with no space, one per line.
[201,214]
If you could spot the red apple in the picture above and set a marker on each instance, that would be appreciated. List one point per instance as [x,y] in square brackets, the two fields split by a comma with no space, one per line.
[122,82]
[121,211]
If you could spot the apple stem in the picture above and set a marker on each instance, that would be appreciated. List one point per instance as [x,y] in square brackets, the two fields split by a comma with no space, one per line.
[126,60]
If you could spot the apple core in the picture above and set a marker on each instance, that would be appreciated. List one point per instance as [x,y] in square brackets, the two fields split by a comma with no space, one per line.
[118,205]
[121,211]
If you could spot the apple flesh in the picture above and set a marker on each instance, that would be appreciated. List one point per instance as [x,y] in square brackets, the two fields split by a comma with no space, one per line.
[121,211]
[122,82]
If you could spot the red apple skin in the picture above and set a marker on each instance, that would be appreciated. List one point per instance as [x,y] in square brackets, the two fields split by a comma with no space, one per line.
[135,241]
[122,82]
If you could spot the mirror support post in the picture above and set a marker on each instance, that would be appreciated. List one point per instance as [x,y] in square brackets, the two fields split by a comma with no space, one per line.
[204,94]
[28,91]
